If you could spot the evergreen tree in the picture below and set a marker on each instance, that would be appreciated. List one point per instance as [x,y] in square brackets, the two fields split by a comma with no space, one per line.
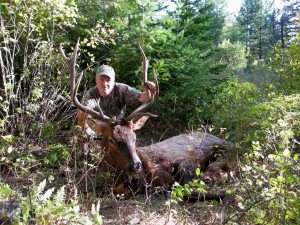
[274,26]
[289,21]
[252,18]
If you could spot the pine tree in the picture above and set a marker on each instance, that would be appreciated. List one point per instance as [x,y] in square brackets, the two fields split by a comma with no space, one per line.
[289,21]
[254,24]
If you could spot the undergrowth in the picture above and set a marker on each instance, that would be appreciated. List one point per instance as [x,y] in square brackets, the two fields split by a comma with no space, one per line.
[269,168]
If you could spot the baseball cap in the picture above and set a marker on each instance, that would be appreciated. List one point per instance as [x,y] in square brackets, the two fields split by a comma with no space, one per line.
[106,70]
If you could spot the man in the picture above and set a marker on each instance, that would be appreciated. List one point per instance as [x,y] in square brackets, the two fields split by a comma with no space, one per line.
[113,96]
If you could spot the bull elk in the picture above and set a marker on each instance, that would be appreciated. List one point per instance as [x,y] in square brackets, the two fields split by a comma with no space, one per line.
[119,143]
[118,135]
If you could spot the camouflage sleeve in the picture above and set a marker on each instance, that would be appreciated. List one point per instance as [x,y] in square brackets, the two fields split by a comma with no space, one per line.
[89,98]
[129,94]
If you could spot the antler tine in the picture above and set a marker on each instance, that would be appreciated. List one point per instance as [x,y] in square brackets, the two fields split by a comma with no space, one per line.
[145,71]
[71,62]
[156,83]
[148,102]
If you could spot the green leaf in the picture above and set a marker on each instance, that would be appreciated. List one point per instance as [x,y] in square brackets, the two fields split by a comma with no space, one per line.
[230,191]
[5,191]
[198,172]
[186,190]
[286,153]
[8,138]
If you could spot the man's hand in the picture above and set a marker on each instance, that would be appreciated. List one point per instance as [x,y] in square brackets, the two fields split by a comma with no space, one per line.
[152,87]
[144,95]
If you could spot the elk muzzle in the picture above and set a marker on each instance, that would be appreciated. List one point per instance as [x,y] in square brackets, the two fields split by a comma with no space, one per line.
[136,167]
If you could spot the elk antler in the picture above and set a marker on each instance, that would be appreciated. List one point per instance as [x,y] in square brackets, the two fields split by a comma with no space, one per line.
[71,62]
[139,112]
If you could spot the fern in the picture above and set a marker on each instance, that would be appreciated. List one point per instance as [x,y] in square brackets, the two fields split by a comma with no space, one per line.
[59,198]
[41,187]
[47,194]
[95,212]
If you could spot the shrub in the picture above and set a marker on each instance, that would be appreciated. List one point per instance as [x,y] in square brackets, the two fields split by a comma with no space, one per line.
[231,106]
[56,154]
[270,170]
[47,206]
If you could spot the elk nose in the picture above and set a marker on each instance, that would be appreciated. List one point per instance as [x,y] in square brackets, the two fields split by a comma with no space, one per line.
[136,167]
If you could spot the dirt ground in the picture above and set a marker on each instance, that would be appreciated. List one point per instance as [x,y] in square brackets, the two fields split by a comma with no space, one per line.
[158,210]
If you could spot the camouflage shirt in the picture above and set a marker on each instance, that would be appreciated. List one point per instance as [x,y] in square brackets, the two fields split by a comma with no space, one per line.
[115,103]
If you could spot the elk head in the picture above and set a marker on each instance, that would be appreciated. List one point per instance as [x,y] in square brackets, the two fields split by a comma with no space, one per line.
[119,138]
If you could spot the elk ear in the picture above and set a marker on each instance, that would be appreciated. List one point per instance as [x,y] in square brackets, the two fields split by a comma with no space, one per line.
[138,123]
[97,126]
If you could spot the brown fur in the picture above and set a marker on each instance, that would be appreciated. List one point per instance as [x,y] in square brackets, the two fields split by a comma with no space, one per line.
[163,163]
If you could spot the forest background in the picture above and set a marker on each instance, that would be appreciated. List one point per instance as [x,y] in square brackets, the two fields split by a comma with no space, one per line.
[237,78]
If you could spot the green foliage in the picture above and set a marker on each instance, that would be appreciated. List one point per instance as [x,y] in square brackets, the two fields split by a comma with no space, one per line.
[259,73]
[285,63]
[57,153]
[231,56]
[33,82]
[7,154]
[44,205]
[274,162]
[289,23]
[269,127]
[178,192]
[196,186]
[231,107]
[254,24]
[6,140]
[265,115]
[48,130]
[240,108]
[188,91]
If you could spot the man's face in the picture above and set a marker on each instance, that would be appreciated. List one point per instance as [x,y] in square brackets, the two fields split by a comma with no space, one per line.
[105,85]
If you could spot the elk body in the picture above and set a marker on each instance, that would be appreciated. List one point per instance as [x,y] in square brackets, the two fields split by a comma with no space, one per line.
[155,165]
